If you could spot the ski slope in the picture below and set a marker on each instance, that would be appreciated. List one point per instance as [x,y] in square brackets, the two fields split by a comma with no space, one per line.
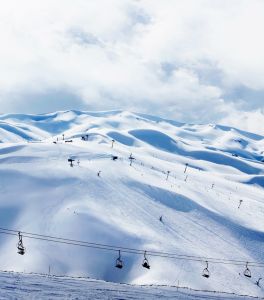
[41,193]
[36,286]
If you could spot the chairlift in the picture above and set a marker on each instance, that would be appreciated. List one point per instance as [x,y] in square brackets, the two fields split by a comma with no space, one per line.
[145,263]
[20,247]
[206,272]
[247,272]
[119,262]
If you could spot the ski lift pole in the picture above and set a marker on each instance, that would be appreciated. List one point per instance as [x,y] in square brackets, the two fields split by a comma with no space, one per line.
[70,160]
[240,202]
[131,158]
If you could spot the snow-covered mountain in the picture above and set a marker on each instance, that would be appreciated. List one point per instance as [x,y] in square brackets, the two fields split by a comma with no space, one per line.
[198,202]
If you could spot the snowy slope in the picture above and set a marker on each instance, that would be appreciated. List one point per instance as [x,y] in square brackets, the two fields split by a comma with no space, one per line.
[36,286]
[41,193]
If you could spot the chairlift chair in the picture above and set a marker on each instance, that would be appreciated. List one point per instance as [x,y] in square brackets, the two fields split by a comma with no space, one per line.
[119,262]
[206,272]
[20,247]
[145,263]
[247,272]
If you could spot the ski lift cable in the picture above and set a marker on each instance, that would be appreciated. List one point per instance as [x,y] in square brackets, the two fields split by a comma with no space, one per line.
[136,251]
[71,240]
[124,251]
[132,251]
[63,242]
[117,248]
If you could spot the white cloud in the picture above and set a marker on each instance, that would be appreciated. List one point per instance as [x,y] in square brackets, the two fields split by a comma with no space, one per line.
[250,121]
[193,60]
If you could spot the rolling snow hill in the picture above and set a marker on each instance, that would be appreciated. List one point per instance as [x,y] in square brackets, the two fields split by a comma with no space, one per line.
[40,193]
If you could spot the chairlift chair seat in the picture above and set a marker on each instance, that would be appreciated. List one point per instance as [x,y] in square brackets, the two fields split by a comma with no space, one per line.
[247,273]
[145,264]
[119,264]
[206,273]
[21,249]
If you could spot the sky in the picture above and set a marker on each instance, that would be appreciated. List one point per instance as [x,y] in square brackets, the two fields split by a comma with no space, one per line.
[197,61]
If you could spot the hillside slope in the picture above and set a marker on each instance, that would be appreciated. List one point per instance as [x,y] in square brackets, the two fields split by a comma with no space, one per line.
[20,286]
[41,193]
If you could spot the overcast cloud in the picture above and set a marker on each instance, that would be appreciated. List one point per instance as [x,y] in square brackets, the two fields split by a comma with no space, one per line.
[193,60]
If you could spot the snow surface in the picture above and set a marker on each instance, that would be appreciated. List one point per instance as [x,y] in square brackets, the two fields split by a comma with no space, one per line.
[35,286]
[41,193]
